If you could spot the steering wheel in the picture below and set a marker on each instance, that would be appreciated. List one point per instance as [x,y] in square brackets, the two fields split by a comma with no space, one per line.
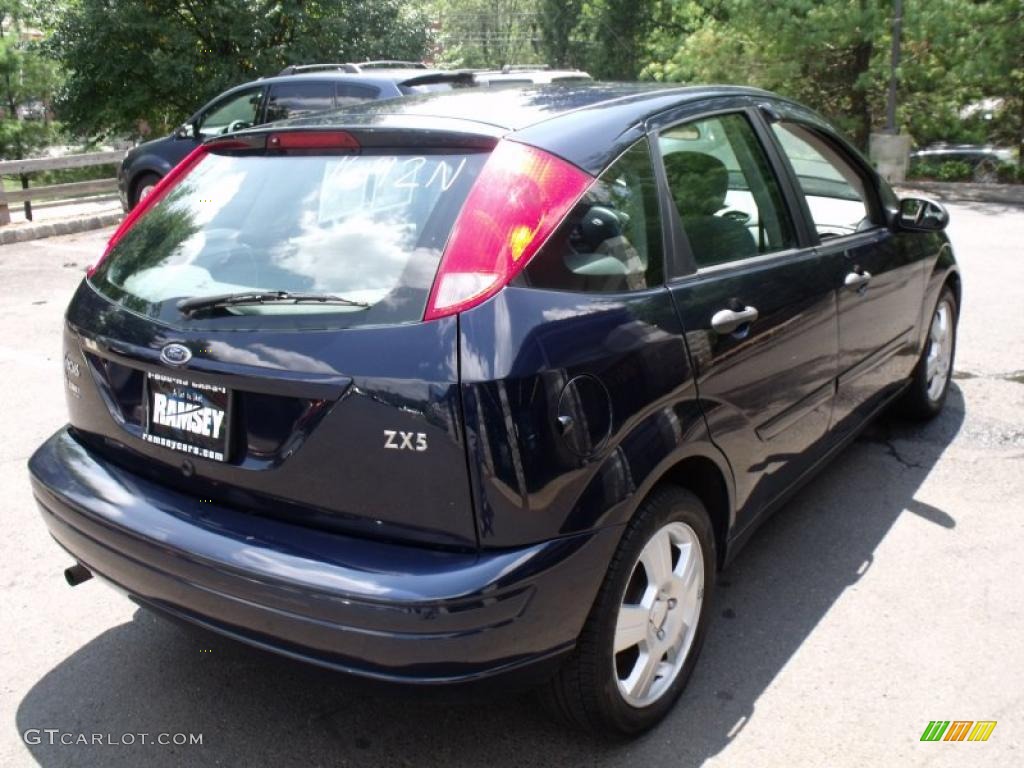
[236,125]
[735,214]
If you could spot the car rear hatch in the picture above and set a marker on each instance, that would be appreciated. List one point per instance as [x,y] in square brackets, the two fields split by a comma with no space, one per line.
[276,326]
[254,333]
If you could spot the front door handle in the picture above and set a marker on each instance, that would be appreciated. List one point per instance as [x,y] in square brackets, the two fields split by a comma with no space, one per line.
[728,320]
[858,280]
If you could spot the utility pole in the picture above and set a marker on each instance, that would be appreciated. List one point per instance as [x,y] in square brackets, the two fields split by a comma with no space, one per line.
[889,149]
[897,30]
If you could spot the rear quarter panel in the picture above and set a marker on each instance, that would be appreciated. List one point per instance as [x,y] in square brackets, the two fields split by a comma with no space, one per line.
[518,353]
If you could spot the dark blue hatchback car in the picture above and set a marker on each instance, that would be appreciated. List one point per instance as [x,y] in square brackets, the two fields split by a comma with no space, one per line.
[440,388]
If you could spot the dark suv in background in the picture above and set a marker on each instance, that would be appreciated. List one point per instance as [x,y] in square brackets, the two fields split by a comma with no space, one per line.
[296,91]
[488,381]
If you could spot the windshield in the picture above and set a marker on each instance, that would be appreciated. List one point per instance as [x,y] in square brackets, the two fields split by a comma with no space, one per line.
[367,228]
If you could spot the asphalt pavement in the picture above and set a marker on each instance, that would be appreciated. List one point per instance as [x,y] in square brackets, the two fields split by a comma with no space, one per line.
[886,594]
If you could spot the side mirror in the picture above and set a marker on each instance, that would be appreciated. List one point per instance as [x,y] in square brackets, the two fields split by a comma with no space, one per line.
[186,131]
[918,214]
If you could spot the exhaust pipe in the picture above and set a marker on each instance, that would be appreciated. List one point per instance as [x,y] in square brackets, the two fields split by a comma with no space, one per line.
[76,574]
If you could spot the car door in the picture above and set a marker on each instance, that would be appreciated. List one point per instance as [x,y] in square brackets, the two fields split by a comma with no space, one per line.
[880,282]
[756,300]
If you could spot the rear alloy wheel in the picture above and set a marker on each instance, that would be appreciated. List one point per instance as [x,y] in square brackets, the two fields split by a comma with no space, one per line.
[641,641]
[930,384]
[657,619]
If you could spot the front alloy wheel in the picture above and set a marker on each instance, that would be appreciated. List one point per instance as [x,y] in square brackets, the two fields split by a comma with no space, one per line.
[940,349]
[929,384]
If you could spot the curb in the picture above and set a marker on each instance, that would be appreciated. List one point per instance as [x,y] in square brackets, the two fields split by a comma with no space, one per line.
[63,227]
[1012,194]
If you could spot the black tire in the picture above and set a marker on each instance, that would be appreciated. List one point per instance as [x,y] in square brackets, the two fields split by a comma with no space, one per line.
[917,402]
[143,181]
[585,691]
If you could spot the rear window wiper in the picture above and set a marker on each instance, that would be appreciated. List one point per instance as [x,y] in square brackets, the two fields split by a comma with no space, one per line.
[200,303]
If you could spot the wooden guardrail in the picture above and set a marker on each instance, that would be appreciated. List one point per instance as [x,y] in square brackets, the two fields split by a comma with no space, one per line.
[55,191]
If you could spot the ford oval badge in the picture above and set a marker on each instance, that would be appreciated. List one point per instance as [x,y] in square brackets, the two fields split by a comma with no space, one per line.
[175,354]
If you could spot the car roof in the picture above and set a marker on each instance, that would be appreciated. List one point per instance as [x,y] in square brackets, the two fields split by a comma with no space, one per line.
[584,122]
[513,109]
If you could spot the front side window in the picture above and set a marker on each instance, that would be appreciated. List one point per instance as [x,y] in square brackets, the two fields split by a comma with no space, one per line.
[724,188]
[611,241]
[234,113]
[366,228]
[835,190]
[289,100]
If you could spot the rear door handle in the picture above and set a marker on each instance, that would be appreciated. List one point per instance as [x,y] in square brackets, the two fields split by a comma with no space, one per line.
[857,280]
[728,320]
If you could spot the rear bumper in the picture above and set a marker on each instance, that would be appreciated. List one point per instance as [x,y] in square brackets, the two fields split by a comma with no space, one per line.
[376,609]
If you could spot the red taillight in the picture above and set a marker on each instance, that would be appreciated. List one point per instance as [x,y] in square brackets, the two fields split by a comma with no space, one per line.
[168,181]
[520,197]
[312,140]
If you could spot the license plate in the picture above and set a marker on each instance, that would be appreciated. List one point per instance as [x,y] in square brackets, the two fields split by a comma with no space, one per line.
[187,416]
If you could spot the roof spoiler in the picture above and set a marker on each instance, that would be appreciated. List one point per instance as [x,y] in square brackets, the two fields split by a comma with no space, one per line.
[391,64]
[294,69]
[456,76]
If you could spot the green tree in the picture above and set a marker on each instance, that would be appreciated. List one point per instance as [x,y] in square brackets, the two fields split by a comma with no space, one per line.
[27,82]
[933,82]
[617,34]
[129,61]
[558,22]
[828,54]
[996,64]
[488,33]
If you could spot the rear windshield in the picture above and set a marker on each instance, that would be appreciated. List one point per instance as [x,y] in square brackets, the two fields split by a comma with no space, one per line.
[366,228]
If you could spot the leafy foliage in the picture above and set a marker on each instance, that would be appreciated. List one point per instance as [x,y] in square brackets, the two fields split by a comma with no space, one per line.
[27,80]
[835,56]
[133,64]
[488,33]
[130,64]
[949,170]
[995,42]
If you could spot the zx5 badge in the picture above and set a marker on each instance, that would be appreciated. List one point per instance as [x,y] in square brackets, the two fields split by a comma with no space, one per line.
[405,441]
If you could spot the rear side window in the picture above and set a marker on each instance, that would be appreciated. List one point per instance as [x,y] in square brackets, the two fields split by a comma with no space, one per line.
[351,93]
[611,241]
[296,99]
[368,228]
